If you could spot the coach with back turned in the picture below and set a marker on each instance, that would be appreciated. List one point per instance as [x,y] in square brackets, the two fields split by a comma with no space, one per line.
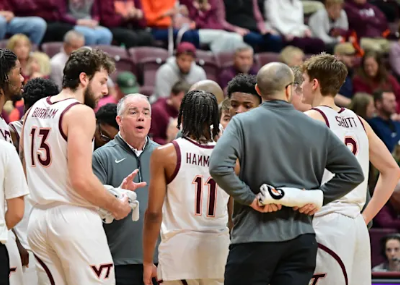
[277,145]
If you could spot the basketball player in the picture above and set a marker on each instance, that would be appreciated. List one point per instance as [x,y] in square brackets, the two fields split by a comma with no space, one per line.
[10,87]
[341,231]
[185,202]
[34,90]
[65,231]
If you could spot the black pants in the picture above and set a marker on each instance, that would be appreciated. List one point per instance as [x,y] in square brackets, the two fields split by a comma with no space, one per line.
[275,263]
[131,274]
[132,38]
[56,31]
[4,265]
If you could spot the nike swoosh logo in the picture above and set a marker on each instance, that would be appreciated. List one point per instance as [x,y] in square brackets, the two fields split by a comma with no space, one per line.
[118,161]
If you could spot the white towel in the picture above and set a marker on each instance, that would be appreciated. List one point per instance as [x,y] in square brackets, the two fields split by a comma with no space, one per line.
[289,197]
[120,194]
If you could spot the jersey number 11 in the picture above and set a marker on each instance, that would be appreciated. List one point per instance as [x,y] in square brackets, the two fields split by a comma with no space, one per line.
[212,195]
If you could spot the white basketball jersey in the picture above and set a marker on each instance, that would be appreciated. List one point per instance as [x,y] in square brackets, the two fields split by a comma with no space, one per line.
[17,127]
[349,128]
[5,131]
[194,233]
[45,151]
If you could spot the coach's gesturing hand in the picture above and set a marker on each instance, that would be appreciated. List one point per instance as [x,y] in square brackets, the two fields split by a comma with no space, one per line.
[265,209]
[128,183]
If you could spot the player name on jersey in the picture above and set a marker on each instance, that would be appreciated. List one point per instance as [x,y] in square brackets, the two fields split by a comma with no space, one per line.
[197,159]
[44,113]
[349,122]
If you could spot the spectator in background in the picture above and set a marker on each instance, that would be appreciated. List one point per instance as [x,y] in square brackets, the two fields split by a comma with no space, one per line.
[292,56]
[165,110]
[369,23]
[390,250]
[106,125]
[180,67]
[345,52]
[363,105]
[384,127]
[247,20]
[243,62]
[330,24]
[22,47]
[126,84]
[126,21]
[394,57]
[373,76]
[34,27]
[286,16]
[389,216]
[39,65]
[160,17]
[224,113]
[84,15]
[242,94]
[211,29]
[56,28]
[73,40]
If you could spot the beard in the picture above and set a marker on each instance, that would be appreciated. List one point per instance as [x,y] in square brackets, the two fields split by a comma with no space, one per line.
[89,97]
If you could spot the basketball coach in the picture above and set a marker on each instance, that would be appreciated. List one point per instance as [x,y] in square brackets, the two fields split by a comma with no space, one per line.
[277,145]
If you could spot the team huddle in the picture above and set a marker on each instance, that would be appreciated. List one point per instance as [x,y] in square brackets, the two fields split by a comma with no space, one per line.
[187,206]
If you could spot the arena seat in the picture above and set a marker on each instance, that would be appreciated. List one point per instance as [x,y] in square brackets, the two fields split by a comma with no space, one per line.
[147,90]
[207,60]
[266,57]
[52,48]
[375,236]
[224,59]
[148,60]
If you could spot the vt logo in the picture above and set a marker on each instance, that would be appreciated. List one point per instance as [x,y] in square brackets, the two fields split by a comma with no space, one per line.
[103,267]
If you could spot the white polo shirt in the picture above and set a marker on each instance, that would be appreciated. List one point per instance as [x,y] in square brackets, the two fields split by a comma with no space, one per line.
[12,182]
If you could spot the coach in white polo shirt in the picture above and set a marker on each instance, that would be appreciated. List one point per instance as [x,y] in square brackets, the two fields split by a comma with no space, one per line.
[129,150]
[13,188]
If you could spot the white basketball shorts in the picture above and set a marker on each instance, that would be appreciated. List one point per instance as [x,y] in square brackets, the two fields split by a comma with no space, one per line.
[343,251]
[70,246]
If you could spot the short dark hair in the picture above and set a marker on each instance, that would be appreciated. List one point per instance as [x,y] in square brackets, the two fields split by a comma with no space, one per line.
[198,112]
[244,83]
[378,94]
[385,239]
[8,60]
[106,115]
[37,89]
[88,61]
[180,86]
[330,72]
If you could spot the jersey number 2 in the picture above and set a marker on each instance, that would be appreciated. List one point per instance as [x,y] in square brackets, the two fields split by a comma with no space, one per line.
[350,141]
[44,157]
[212,195]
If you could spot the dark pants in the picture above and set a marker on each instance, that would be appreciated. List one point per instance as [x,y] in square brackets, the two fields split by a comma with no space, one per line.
[4,265]
[56,31]
[132,38]
[308,45]
[191,36]
[268,42]
[131,274]
[272,263]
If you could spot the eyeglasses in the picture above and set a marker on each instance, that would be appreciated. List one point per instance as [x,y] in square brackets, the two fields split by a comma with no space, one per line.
[103,137]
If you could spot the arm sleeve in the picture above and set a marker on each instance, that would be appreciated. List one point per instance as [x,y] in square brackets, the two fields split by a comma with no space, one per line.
[221,14]
[163,82]
[222,164]
[14,178]
[63,13]
[273,17]
[317,25]
[99,167]
[345,167]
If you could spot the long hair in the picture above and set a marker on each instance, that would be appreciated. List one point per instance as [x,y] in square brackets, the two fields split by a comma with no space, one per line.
[198,112]
[8,60]
[359,104]
[382,74]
